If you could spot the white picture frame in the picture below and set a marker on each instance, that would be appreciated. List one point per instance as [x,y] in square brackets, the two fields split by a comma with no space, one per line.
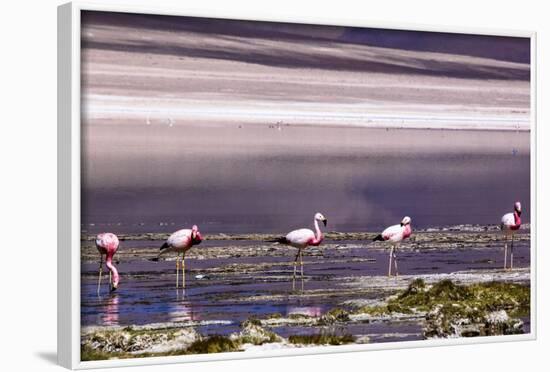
[69,155]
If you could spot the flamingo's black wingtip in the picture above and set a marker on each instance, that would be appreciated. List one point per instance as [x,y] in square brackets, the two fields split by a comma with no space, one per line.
[378,238]
[281,240]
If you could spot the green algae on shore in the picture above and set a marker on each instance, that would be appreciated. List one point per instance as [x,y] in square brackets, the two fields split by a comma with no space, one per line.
[131,342]
[454,310]
[490,296]
[321,339]
[214,344]
[128,342]
[334,315]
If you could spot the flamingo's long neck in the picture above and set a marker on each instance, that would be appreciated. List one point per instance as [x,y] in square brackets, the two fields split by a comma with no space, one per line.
[318,234]
[114,271]
[407,231]
[517,219]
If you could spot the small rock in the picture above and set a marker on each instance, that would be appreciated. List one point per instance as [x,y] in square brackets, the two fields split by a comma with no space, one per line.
[253,333]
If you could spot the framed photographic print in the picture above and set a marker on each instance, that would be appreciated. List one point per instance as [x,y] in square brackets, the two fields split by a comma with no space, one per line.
[245,187]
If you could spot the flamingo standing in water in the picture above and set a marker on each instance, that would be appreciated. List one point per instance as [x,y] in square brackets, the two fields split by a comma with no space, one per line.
[394,235]
[107,244]
[510,222]
[180,242]
[301,239]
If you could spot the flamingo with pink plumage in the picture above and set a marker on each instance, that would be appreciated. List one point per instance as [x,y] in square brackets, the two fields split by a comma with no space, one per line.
[301,239]
[394,235]
[180,242]
[510,223]
[107,244]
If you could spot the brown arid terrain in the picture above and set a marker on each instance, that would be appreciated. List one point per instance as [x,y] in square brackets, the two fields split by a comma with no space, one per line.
[171,71]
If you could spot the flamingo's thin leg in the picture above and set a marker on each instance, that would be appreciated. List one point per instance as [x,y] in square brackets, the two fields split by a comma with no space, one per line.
[389,266]
[395,262]
[512,253]
[302,269]
[505,250]
[177,270]
[110,279]
[183,270]
[301,264]
[100,273]
[294,273]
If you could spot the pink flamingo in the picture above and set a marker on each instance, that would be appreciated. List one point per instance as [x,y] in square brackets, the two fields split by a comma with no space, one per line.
[394,235]
[180,242]
[510,222]
[107,244]
[301,239]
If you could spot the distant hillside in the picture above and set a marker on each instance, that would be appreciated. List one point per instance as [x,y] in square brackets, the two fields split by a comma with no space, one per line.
[288,45]
[512,49]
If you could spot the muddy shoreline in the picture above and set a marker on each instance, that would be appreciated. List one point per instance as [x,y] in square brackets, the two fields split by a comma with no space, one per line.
[330,235]
[460,237]
[463,304]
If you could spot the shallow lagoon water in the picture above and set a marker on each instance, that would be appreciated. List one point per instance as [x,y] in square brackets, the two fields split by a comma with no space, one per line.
[254,282]
[256,179]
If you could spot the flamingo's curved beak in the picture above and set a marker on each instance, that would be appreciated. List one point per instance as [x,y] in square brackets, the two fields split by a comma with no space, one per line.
[325,222]
[197,238]
[114,287]
[517,208]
